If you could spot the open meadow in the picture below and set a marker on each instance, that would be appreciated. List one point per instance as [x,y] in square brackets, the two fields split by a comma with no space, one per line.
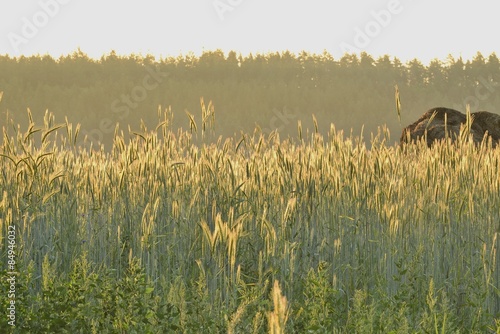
[183,231]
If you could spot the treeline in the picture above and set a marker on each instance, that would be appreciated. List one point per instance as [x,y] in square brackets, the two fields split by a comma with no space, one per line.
[269,91]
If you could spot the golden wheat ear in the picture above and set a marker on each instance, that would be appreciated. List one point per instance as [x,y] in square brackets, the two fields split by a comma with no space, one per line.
[398,103]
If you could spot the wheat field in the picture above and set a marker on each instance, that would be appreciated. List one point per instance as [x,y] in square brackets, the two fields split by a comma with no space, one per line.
[172,232]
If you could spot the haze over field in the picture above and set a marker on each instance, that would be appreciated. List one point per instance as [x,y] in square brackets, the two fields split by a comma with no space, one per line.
[402,28]
[231,166]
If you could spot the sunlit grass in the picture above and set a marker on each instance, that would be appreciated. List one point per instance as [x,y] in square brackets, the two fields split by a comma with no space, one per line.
[389,233]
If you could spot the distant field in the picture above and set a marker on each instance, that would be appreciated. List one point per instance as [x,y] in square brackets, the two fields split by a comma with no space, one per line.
[251,234]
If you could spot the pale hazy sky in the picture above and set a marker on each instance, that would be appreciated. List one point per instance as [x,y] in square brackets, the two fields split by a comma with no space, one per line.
[407,29]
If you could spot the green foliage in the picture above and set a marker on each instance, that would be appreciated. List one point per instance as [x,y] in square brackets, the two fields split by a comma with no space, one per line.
[323,307]
[87,301]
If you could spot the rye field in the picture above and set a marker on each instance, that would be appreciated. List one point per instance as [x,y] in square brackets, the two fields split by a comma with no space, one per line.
[170,232]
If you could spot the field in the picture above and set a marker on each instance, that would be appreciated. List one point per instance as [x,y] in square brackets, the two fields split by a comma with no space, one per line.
[178,231]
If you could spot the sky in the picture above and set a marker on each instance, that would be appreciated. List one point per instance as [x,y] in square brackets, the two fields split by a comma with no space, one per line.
[406,29]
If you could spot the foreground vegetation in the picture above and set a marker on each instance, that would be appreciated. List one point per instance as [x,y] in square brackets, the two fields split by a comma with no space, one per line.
[250,234]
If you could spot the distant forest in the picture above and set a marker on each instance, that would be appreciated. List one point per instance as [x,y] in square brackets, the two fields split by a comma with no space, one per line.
[268,91]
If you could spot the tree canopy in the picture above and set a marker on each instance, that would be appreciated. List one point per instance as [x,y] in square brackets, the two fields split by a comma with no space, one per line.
[272,91]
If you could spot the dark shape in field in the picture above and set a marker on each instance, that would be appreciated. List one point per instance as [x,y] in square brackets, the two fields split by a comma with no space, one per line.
[483,122]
